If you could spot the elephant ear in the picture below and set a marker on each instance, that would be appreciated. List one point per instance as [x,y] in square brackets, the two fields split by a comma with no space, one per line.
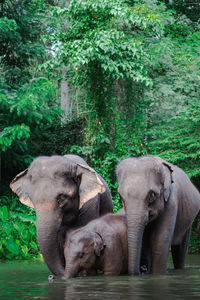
[99,244]
[90,185]
[21,186]
[167,181]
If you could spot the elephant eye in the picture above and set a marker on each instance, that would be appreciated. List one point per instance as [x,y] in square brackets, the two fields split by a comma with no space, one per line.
[62,199]
[152,197]
[81,254]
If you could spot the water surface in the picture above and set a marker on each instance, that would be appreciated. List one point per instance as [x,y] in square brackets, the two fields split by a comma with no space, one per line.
[28,280]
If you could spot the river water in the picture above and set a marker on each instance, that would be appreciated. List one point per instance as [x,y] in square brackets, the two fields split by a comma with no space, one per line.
[28,280]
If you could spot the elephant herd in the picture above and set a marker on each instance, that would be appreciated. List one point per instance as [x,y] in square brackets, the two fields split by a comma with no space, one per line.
[77,232]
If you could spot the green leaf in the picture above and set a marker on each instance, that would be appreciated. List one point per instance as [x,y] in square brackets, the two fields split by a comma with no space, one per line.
[4,213]
[24,249]
[18,227]
[7,228]
[34,245]
[32,229]
[25,234]
[12,246]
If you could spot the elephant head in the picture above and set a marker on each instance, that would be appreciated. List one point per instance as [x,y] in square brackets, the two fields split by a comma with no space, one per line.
[81,250]
[58,188]
[145,186]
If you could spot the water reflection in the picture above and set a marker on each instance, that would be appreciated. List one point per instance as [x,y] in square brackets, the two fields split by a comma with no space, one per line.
[29,281]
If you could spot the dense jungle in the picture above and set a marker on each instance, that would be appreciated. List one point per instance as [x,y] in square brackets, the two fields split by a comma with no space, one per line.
[104,79]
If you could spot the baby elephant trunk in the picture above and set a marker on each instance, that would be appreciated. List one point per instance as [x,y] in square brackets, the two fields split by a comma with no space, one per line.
[70,271]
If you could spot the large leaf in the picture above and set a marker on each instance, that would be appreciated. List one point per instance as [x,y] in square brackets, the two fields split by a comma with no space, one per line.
[12,246]
[4,213]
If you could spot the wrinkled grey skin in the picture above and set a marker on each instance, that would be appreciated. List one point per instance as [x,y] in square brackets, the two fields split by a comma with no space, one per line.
[65,193]
[160,203]
[100,245]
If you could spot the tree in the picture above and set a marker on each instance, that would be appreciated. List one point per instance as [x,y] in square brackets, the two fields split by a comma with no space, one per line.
[27,100]
[174,132]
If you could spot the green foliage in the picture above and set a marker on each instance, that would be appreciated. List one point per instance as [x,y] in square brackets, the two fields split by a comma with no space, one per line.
[27,99]
[174,132]
[187,7]
[8,29]
[23,115]
[21,24]
[99,39]
[13,133]
[17,235]
[57,137]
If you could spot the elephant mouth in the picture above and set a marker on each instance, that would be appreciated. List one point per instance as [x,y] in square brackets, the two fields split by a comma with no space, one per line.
[151,216]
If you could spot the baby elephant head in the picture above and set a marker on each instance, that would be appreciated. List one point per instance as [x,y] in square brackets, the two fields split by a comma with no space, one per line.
[81,251]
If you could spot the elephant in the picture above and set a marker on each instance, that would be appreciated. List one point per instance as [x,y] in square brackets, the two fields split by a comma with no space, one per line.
[160,204]
[65,193]
[99,245]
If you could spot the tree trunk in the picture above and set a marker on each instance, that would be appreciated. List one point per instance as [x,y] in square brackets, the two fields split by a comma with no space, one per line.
[64,101]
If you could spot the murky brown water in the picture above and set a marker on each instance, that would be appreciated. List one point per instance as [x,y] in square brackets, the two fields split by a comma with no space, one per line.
[28,280]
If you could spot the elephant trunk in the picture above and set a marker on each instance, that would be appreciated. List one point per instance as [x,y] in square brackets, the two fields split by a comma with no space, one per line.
[135,230]
[48,225]
[70,271]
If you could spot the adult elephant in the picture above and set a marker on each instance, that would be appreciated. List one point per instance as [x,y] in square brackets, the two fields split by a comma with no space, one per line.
[161,203]
[65,193]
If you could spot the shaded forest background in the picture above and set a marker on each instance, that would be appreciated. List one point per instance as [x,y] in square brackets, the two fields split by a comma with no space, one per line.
[104,79]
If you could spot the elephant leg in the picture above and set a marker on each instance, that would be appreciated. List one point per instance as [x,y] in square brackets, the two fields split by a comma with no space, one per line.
[179,251]
[159,258]
[145,261]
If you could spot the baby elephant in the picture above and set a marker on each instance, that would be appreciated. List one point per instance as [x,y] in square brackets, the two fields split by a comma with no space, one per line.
[100,245]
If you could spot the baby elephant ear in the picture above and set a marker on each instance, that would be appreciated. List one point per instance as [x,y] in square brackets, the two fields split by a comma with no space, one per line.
[21,186]
[98,244]
[90,185]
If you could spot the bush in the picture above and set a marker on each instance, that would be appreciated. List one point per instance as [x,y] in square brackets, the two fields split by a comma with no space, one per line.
[17,235]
